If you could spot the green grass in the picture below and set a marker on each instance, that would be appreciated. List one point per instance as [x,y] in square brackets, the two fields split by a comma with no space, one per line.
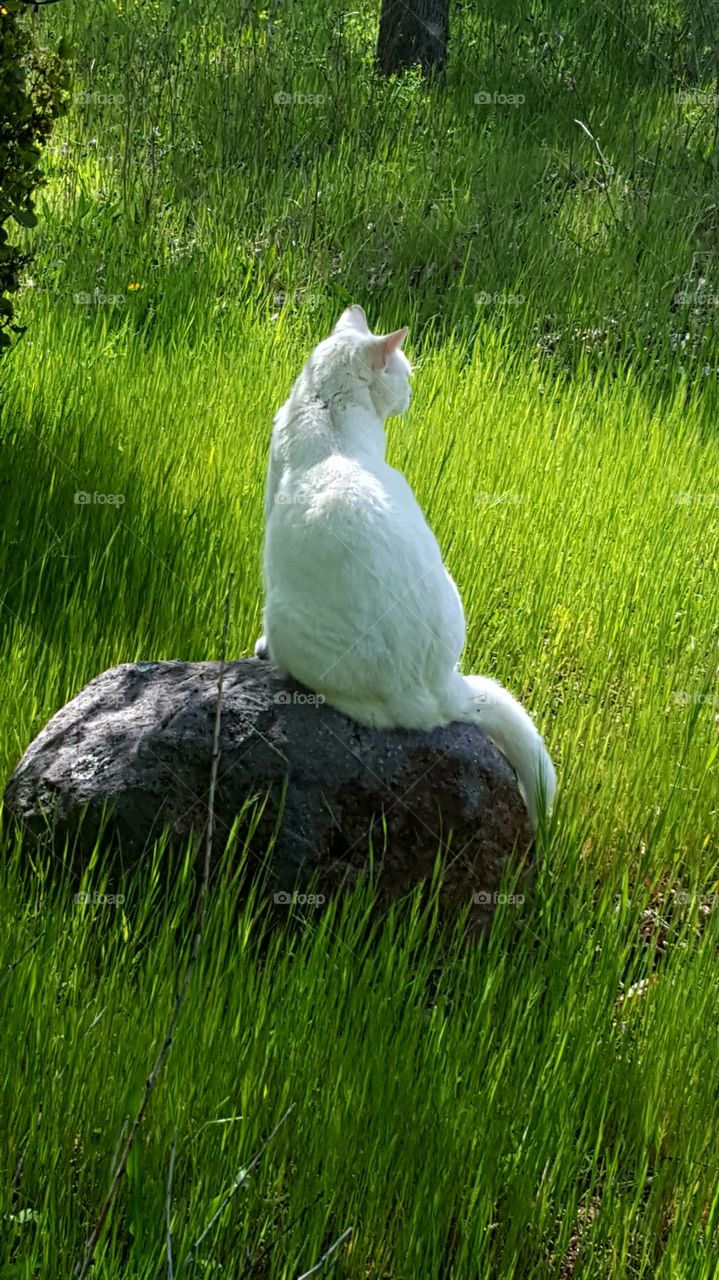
[489,1113]
[464,1112]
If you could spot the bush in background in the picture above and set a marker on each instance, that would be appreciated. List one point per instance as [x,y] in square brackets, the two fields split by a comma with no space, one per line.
[34,85]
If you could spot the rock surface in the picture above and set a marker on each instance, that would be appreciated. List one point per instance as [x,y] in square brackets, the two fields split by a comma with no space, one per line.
[138,741]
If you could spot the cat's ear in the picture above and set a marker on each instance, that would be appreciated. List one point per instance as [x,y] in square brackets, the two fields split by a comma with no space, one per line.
[381,348]
[353,318]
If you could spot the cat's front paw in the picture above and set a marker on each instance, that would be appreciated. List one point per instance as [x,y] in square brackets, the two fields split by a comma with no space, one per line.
[262,649]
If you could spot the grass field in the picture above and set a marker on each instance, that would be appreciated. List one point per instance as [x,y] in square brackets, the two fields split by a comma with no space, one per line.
[544,1105]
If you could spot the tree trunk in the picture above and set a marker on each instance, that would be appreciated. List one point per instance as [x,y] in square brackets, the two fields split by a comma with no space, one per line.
[412,33]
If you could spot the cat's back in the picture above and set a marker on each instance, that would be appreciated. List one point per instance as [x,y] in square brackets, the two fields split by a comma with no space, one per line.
[331,484]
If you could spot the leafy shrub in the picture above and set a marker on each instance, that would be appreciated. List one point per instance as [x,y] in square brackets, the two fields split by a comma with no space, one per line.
[34,85]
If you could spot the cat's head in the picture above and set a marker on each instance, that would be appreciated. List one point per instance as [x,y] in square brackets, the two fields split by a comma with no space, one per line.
[354,360]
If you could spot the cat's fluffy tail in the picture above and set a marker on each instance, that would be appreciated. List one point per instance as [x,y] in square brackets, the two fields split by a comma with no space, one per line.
[485,702]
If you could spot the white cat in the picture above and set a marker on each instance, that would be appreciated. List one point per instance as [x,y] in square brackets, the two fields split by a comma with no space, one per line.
[359,606]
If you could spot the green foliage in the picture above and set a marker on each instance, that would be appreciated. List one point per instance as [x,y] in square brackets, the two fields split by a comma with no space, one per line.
[34,86]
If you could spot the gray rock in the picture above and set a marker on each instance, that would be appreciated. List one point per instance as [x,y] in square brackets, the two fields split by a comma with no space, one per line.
[136,743]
